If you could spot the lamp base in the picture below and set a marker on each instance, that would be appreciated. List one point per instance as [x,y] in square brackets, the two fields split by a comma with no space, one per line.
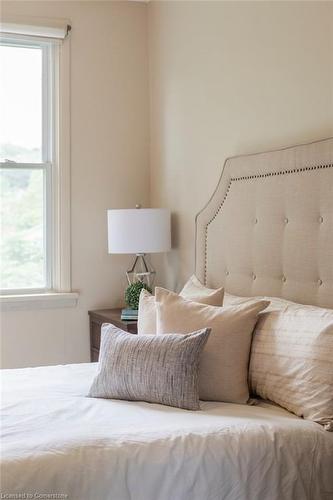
[141,271]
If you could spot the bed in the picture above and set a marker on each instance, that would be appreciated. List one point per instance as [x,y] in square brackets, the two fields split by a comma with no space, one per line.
[56,440]
[57,443]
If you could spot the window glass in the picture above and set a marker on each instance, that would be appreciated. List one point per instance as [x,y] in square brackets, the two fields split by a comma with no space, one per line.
[22,247]
[20,103]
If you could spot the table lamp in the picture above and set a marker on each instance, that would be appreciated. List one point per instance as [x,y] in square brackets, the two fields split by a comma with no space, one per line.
[139,231]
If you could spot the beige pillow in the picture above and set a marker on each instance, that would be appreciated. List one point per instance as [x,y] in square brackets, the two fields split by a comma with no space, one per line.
[161,369]
[291,360]
[196,291]
[193,290]
[224,362]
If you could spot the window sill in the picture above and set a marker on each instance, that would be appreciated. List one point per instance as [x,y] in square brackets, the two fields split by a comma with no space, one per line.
[51,300]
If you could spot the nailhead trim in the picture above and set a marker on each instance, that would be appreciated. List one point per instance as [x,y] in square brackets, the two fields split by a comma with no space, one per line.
[246,178]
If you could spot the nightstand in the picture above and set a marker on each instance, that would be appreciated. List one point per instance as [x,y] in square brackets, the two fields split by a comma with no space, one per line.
[97,318]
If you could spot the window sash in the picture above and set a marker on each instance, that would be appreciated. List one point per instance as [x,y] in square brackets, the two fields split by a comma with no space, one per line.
[50,62]
[49,69]
[47,233]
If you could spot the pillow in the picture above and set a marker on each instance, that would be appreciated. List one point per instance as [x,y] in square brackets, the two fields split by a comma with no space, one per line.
[224,363]
[235,300]
[146,314]
[291,360]
[274,302]
[161,369]
[193,290]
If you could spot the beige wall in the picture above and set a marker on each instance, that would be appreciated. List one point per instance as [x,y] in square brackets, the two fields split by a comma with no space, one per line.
[229,78]
[109,168]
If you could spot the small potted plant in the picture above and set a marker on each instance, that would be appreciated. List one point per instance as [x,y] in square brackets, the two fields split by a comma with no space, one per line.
[132,294]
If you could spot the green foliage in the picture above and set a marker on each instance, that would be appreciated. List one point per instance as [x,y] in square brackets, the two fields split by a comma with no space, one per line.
[132,294]
[22,219]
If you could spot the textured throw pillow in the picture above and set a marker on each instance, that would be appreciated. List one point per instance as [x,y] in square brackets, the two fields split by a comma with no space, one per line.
[193,290]
[291,360]
[224,363]
[158,369]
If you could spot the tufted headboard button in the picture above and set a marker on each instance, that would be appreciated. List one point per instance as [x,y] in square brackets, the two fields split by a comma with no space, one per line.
[284,279]
[320,219]
[320,282]
[286,220]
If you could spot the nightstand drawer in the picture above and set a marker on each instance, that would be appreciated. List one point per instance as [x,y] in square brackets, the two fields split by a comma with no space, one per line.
[132,327]
[95,335]
[94,354]
[97,318]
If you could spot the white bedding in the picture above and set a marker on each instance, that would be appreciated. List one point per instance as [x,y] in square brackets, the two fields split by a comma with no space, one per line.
[56,440]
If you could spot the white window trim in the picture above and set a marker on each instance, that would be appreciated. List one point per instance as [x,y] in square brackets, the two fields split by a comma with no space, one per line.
[61,178]
[46,300]
[61,294]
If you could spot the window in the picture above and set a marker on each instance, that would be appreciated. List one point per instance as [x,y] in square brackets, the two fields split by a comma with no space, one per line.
[27,157]
[34,165]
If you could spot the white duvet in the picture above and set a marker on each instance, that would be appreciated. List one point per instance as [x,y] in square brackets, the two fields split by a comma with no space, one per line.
[56,441]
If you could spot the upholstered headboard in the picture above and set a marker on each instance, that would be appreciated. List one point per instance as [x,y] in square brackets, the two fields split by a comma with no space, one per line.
[268,228]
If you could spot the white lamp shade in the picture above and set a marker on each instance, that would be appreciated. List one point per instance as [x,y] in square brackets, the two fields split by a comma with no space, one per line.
[139,230]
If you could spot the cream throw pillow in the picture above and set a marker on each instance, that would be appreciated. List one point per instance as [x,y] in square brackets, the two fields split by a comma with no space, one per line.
[224,363]
[291,359]
[196,291]
[193,290]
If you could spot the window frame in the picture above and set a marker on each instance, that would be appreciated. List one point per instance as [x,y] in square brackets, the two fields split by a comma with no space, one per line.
[55,164]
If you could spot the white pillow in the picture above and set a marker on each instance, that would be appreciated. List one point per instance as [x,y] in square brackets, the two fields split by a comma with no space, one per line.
[224,362]
[276,303]
[193,290]
[291,360]
[146,314]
